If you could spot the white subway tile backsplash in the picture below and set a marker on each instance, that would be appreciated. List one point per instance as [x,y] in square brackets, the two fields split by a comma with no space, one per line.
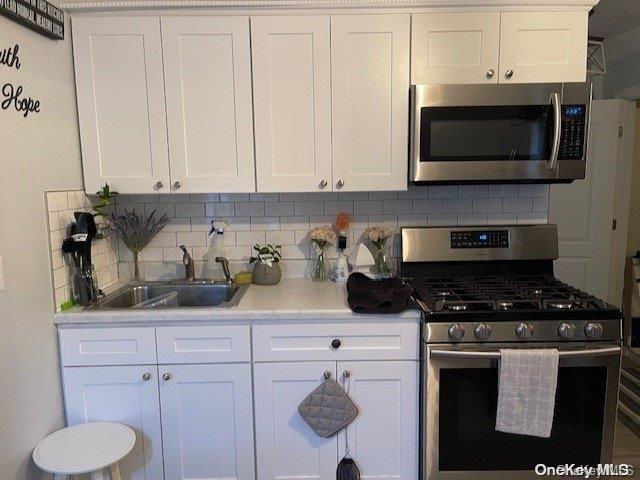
[285,218]
[397,207]
[517,205]
[309,208]
[250,209]
[457,205]
[250,237]
[370,207]
[195,209]
[443,191]
[279,208]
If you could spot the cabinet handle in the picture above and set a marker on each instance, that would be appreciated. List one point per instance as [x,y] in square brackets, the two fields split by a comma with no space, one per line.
[159,185]
[322,184]
[336,343]
[166,377]
[490,73]
[340,184]
[176,185]
[508,73]
[327,375]
[146,377]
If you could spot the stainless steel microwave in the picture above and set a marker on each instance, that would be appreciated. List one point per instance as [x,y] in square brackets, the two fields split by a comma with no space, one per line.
[499,133]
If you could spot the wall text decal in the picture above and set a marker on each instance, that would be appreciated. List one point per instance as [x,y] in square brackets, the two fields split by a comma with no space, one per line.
[9,57]
[13,98]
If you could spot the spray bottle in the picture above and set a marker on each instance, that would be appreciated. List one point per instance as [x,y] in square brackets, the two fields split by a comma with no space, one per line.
[211,268]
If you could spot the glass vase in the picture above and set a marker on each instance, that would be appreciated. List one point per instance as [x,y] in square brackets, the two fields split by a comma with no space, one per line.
[381,267]
[136,266]
[320,272]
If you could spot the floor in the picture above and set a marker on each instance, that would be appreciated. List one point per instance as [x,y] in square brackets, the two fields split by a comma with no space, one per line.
[627,448]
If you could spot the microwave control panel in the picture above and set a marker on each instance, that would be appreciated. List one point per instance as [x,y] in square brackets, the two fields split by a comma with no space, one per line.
[572,134]
[480,239]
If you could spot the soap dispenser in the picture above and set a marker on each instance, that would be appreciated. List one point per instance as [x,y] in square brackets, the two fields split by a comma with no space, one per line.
[211,268]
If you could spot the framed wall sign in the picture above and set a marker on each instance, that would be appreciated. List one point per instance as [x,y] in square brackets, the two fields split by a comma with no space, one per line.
[38,15]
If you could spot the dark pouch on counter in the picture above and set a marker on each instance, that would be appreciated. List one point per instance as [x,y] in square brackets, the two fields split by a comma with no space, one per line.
[389,295]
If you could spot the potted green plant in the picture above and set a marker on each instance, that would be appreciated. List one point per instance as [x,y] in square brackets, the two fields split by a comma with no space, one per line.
[106,196]
[266,270]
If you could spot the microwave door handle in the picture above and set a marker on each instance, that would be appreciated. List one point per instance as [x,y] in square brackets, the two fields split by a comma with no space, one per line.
[557,129]
[471,354]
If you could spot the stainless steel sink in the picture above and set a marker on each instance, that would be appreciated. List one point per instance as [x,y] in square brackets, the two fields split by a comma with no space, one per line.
[190,294]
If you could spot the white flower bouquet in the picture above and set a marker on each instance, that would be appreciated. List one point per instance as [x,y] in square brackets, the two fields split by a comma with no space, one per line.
[321,237]
[378,236]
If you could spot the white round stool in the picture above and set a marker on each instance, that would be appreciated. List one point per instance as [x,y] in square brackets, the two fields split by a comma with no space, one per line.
[85,448]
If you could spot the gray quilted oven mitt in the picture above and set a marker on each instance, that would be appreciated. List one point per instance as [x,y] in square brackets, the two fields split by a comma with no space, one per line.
[328,409]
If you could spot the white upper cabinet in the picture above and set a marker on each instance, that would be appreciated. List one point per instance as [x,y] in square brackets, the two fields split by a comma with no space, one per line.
[292,102]
[370,85]
[207,421]
[455,47]
[543,47]
[207,70]
[121,106]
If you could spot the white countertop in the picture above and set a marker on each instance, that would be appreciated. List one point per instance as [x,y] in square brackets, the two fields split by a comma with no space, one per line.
[291,300]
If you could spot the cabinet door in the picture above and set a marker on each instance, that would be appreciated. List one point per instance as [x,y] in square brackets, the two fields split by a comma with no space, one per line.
[125,395]
[383,440]
[207,68]
[370,85]
[292,103]
[121,106]
[286,447]
[455,47]
[207,421]
[540,47]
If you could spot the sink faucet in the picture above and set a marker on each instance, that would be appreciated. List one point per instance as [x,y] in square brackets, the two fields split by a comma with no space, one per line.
[187,261]
[225,268]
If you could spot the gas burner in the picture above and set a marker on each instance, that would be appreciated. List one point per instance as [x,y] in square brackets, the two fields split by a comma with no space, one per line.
[504,304]
[560,304]
[536,292]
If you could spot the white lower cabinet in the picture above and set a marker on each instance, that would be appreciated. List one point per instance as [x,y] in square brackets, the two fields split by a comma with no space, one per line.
[207,421]
[383,440]
[285,445]
[124,394]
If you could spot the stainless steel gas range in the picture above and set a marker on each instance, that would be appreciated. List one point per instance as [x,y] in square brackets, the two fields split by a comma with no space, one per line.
[487,288]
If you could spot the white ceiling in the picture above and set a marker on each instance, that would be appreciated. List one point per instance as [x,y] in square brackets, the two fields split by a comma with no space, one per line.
[612,17]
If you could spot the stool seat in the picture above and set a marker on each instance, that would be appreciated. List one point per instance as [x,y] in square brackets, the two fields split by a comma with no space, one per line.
[84,448]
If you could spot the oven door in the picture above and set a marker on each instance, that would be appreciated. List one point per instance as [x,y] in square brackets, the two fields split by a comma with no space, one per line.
[459,408]
[484,133]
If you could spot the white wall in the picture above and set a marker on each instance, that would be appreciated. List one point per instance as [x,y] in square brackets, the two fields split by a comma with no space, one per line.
[37,153]
[622,57]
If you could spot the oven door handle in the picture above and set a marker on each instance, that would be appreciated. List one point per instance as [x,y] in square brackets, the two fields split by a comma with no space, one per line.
[557,129]
[474,354]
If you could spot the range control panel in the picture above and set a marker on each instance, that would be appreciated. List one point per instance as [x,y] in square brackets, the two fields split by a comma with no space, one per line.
[573,132]
[480,239]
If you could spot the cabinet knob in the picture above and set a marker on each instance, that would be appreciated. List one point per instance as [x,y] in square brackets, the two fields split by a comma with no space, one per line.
[336,343]
[146,377]
[490,73]
[346,374]
[176,185]
[159,185]
[508,73]
[166,377]
[327,374]
[322,184]
[340,184]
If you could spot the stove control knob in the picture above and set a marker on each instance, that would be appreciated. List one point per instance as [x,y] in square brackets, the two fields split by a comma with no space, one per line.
[524,330]
[482,331]
[567,330]
[593,330]
[456,331]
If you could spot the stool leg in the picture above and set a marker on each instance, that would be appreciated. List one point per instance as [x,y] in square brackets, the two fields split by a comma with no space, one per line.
[98,475]
[114,472]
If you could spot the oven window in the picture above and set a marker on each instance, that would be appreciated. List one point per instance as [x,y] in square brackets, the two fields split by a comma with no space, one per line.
[486,133]
[469,441]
